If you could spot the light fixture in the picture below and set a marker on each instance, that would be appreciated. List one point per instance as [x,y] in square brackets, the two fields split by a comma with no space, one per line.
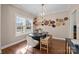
[42,14]
[43,11]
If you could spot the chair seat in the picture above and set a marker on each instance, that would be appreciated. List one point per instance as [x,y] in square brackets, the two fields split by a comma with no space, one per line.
[44,41]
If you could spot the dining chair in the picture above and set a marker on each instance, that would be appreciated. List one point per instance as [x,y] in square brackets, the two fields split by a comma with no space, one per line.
[44,43]
[31,42]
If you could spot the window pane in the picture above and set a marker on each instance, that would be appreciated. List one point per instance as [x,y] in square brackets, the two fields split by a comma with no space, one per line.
[24,25]
[18,24]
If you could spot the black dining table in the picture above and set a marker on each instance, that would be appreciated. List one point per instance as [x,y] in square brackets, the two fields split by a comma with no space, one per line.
[38,36]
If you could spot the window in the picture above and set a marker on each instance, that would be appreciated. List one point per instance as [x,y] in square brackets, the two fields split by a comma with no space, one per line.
[23,25]
[29,26]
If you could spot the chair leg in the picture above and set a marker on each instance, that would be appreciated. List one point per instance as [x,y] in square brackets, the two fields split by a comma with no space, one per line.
[69,50]
[47,48]
[40,46]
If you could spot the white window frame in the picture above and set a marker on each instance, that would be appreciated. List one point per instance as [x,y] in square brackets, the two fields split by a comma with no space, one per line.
[25,32]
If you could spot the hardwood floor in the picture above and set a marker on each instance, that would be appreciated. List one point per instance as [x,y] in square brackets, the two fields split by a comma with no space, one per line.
[55,47]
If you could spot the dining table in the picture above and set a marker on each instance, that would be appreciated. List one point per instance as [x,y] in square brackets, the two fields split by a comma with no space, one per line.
[38,36]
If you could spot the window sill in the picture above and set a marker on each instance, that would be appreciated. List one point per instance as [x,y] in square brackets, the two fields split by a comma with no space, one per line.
[19,34]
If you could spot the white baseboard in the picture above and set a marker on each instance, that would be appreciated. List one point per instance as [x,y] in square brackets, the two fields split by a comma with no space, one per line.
[8,45]
[59,38]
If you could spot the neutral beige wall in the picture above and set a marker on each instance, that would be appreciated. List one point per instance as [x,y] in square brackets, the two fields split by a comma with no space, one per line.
[61,31]
[0,28]
[8,26]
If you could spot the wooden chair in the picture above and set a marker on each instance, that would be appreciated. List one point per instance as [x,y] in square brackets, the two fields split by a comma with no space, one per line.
[44,43]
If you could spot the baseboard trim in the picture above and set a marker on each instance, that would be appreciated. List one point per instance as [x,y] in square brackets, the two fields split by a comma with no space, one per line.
[58,38]
[8,45]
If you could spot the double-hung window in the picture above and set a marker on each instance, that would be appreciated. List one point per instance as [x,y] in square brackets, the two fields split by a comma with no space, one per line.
[23,25]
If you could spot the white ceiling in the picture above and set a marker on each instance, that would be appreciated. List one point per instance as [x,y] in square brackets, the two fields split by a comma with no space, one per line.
[35,9]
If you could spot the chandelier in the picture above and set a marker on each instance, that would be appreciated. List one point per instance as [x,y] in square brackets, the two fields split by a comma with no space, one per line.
[43,13]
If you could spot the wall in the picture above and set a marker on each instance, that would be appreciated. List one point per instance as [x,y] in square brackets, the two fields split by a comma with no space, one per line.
[67,30]
[61,31]
[0,28]
[8,26]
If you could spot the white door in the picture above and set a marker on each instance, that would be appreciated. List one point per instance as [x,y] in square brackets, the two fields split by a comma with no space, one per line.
[72,23]
[77,21]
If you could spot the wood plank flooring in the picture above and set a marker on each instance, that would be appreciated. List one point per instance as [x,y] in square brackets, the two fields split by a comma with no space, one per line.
[55,47]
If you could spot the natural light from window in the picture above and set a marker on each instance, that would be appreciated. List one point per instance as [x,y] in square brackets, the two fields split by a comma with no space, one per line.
[23,25]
